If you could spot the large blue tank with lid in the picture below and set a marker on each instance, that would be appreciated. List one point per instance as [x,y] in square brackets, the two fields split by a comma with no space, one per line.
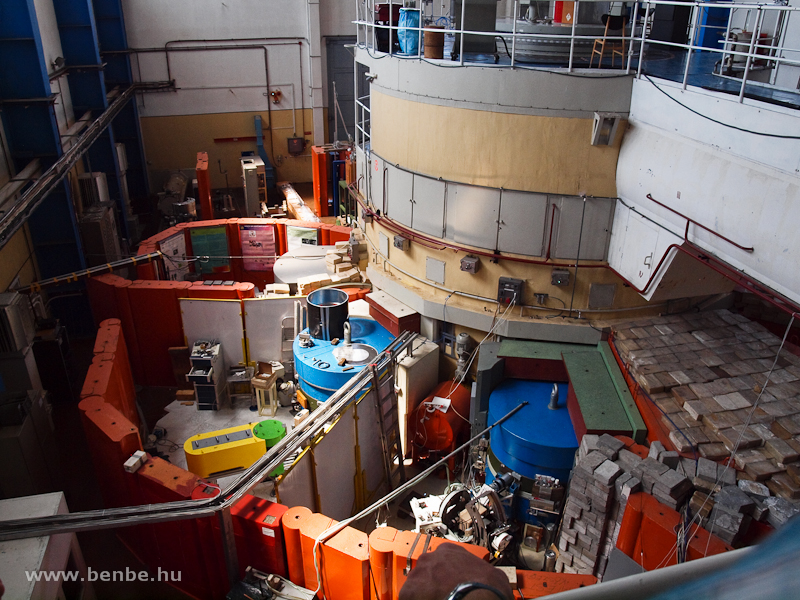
[537,440]
[317,362]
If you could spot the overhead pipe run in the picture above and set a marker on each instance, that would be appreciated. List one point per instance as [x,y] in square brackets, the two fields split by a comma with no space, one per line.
[16,217]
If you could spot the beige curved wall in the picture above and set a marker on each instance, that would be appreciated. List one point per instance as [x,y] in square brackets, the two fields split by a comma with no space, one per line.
[532,153]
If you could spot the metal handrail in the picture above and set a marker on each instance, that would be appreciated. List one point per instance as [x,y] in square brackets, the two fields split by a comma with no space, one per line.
[193,509]
[747,51]
[690,221]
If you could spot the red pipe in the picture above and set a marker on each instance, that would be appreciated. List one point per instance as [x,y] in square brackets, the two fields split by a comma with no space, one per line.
[444,245]
[690,220]
[752,285]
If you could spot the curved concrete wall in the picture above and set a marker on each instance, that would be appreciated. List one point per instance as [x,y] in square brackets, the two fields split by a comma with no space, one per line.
[743,186]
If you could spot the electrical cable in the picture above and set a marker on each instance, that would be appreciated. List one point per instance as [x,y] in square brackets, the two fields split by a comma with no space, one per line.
[370,53]
[728,125]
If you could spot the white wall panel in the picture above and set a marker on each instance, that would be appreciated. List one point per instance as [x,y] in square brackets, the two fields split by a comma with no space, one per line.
[369,442]
[219,320]
[596,223]
[742,186]
[152,23]
[376,178]
[400,194]
[429,199]
[296,487]
[336,468]
[523,219]
[263,318]
[472,215]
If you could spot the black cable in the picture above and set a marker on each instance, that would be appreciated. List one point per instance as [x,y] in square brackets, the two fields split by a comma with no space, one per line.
[676,101]
[517,60]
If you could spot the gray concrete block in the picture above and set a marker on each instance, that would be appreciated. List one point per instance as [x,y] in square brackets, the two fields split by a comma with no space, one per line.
[656,448]
[754,489]
[607,472]
[706,469]
[629,459]
[609,445]
[670,458]
[734,498]
[675,483]
[780,510]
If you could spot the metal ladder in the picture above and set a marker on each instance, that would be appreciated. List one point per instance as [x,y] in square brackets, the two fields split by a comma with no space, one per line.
[287,355]
[389,426]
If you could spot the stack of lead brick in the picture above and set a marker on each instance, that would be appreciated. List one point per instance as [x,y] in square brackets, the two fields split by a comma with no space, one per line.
[585,513]
[705,371]
[582,544]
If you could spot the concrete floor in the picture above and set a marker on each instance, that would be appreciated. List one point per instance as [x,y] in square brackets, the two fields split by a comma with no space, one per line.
[182,422]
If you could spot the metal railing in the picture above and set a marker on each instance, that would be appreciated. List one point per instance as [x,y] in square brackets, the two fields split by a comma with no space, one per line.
[747,37]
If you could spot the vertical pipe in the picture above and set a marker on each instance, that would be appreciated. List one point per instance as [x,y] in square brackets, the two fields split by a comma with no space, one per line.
[725,45]
[356,100]
[461,42]
[419,37]
[578,258]
[572,35]
[756,33]
[514,36]
[633,36]
[641,48]
[692,31]
[391,31]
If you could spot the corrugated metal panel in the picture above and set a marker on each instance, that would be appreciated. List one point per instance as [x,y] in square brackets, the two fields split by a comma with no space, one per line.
[429,198]
[400,191]
[375,170]
[596,227]
[523,220]
[472,214]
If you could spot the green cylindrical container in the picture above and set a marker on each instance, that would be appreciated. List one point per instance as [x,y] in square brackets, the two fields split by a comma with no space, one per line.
[272,432]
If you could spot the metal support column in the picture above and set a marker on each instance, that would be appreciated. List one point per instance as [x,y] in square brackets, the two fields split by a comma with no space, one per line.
[31,129]
[114,51]
[229,545]
[76,26]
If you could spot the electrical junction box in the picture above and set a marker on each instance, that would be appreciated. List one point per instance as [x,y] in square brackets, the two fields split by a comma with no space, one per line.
[365,216]
[559,277]
[509,290]
[470,264]
[401,243]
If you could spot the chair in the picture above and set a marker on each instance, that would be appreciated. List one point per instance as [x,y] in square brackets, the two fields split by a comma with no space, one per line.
[615,26]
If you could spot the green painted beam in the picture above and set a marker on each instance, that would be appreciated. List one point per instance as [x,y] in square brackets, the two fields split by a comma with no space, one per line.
[628,403]
[596,393]
[538,350]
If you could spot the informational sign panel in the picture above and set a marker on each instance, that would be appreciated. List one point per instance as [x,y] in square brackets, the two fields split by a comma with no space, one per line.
[174,250]
[297,237]
[258,247]
[210,243]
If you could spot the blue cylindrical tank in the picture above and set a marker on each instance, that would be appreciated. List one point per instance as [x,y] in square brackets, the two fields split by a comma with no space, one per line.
[317,368]
[536,440]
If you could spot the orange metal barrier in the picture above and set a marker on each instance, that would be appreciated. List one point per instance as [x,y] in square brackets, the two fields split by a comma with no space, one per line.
[648,534]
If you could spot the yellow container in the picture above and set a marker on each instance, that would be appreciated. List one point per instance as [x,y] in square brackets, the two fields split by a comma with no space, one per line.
[218,453]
